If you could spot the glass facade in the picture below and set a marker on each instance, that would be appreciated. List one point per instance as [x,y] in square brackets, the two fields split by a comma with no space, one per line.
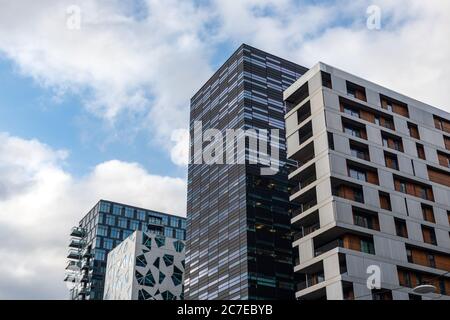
[106,226]
[239,235]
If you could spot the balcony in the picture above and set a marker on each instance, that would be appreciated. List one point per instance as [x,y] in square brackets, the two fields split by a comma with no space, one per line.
[73,266]
[76,243]
[77,232]
[328,247]
[74,255]
[305,202]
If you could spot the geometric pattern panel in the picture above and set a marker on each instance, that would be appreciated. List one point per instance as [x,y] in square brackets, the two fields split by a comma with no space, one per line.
[154,267]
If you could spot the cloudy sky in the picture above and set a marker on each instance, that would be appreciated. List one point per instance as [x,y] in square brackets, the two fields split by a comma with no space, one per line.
[100,111]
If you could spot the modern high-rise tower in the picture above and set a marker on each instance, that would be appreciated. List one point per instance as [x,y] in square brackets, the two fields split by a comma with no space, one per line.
[102,229]
[238,225]
[372,190]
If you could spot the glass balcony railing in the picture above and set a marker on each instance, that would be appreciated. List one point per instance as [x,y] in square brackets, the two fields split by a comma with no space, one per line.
[77,232]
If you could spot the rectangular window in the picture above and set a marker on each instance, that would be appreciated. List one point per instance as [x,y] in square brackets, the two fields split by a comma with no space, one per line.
[428,235]
[129,212]
[168,232]
[356,91]
[110,220]
[123,223]
[354,129]
[357,174]
[117,210]
[394,106]
[400,228]
[115,233]
[174,222]
[444,159]
[141,215]
[385,201]
[180,234]
[442,124]
[420,151]
[427,212]
[359,150]
[102,231]
[326,80]
[413,188]
[134,225]
[365,219]
[392,142]
[105,207]
[413,130]
[447,143]
[367,246]
[100,255]
[126,234]
[439,176]
[391,160]
[108,244]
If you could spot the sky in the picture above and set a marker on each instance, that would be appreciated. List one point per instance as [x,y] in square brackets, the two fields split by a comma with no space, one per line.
[94,99]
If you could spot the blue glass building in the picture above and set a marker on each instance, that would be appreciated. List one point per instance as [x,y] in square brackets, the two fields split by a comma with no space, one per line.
[101,230]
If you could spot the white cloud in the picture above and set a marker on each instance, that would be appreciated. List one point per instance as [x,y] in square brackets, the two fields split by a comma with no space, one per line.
[40,201]
[146,65]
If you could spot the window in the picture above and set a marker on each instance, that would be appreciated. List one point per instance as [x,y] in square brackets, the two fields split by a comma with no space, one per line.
[394,106]
[110,220]
[400,228]
[174,222]
[442,124]
[365,219]
[354,129]
[431,260]
[444,159]
[349,192]
[439,176]
[385,201]
[102,231]
[391,160]
[413,188]
[447,143]
[129,212]
[350,111]
[420,151]
[134,225]
[168,232]
[108,244]
[392,142]
[413,130]
[126,234]
[326,80]
[117,210]
[357,174]
[330,141]
[100,255]
[123,223]
[105,207]
[428,235]
[359,151]
[356,91]
[367,246]
[381,294]
[409,255]
[141,215]
[115,233]
[179,234]
[427,212]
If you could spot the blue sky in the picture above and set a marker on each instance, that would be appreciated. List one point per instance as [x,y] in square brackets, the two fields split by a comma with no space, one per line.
[93,112]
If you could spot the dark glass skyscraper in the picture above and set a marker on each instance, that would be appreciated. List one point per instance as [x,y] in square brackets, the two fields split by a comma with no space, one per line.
[238,225]
[102,229]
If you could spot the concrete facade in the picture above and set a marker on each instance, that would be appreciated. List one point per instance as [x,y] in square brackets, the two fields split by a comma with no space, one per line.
[366,194]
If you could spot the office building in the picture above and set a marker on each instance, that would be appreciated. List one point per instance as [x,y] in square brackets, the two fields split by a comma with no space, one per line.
[145,266]
[372,193]
[101,230]
[238,222]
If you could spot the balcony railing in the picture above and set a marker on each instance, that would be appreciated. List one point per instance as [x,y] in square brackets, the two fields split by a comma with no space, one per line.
[76,243]
[77,232]
[310,281]
[305,207]
[306,230]
[73,266]
[74,255]
[327,247]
